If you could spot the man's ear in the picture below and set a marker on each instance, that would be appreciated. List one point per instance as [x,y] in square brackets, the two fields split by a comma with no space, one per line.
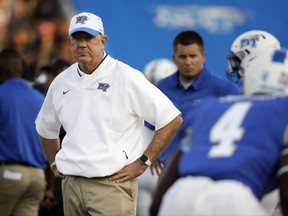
[204,55]
[104,40]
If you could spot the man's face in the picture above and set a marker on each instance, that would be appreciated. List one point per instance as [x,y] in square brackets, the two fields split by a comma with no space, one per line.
[86,48]
[190,61]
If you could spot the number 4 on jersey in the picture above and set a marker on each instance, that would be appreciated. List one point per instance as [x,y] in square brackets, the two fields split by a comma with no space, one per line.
[227,130]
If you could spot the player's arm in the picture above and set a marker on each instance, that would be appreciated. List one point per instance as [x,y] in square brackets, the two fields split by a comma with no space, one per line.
[283,181]
[168,176]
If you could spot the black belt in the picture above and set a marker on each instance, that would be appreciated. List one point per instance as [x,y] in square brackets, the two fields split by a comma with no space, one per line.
[16,163]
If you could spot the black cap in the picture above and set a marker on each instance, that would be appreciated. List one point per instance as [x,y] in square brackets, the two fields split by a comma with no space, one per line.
[57,66]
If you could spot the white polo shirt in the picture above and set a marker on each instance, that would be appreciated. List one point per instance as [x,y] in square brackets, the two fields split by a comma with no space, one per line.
[103,115]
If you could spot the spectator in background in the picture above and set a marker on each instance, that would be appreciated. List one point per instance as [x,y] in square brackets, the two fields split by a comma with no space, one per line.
[47,19]
[48,74]
[36,30]
[4,22]
[231,157]
[22,159]
[192,81]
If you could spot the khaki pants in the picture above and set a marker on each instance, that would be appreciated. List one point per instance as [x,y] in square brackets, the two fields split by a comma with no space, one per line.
[21,190]
[98,196]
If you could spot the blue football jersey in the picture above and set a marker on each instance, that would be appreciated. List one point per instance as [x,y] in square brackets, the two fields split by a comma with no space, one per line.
[238,138]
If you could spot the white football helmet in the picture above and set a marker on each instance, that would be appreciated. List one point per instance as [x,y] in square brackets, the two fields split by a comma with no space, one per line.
[158,69]
[245,48]
[267,74]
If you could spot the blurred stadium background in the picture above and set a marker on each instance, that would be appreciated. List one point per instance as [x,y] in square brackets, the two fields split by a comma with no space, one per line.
[138,31]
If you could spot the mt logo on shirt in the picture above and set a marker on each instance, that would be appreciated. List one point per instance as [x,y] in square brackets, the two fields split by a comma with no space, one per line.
[103,86]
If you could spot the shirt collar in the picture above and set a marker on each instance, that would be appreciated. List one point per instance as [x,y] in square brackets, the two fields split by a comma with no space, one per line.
[204,74]
[102,64]
[201,78]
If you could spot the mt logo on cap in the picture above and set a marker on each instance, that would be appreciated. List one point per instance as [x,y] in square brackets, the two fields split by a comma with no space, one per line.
[81,19]
[86,22]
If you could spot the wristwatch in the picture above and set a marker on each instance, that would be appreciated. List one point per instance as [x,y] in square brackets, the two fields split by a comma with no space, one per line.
[145,160]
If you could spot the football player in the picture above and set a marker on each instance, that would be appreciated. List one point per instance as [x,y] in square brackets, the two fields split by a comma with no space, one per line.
[246,47]
[234,154]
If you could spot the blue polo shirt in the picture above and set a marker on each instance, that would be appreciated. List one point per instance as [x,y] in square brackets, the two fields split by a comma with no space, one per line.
[206,85]
[19,106]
